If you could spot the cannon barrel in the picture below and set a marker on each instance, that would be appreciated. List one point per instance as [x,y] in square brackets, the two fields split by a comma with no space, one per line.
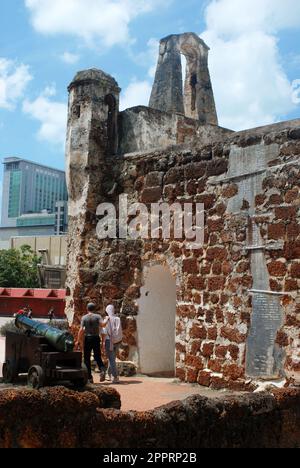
[61,340]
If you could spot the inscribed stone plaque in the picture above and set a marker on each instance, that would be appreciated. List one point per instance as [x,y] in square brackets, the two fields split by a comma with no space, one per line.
[263,359]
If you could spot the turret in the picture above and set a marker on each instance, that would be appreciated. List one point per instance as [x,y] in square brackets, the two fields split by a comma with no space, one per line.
[92,142]
[92,135]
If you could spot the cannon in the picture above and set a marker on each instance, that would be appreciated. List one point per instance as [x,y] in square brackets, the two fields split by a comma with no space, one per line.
[62,341]
[46,354]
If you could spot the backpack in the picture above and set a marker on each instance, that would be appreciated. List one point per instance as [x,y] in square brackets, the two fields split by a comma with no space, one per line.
[115,330]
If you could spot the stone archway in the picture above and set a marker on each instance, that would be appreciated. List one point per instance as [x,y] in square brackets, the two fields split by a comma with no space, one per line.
[156,322]
[194,98]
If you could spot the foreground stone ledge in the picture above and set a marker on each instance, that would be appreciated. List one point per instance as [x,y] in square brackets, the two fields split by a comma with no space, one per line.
[92,397]
[58,417]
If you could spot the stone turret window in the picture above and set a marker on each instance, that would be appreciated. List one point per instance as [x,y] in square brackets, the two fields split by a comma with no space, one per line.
[76,111]
[111,102]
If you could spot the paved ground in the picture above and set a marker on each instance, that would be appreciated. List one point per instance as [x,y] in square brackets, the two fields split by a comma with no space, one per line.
[142,393]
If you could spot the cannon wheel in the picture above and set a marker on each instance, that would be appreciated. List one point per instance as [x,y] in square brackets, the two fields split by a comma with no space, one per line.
[36,377]
[81,383]
[9,372]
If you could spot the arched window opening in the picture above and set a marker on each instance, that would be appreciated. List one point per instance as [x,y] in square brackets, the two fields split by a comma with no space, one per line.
[193,83]
[76,111]
[184,70]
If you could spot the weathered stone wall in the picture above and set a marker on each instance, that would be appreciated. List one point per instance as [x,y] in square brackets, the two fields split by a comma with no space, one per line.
[144,129]
[249,184]
[59,418]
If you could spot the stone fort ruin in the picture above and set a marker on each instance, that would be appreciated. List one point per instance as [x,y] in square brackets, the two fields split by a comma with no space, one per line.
[228,312]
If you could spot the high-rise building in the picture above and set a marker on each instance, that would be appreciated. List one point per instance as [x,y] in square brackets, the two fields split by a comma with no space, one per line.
[61,218]
[30,188]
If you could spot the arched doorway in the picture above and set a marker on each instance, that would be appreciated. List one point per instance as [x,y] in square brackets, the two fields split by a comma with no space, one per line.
[156,322]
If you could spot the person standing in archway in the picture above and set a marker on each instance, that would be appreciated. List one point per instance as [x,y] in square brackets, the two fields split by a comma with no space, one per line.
[113,336]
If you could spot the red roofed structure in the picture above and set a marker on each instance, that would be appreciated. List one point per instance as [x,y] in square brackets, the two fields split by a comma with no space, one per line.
[39,300]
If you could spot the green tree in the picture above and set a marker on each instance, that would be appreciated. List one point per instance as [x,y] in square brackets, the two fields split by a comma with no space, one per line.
[19,268]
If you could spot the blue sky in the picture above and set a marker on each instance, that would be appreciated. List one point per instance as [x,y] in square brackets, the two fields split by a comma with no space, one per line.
[254,60]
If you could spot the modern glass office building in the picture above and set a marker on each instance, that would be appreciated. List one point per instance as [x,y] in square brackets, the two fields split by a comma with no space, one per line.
[30,188]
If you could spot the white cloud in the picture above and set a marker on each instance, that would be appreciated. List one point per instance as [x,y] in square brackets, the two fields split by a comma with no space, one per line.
[251,87]
[103,21]
[148,58]
[14,79]
[51,114]
[136,94]
[235,17]
[69,58]
[153,49]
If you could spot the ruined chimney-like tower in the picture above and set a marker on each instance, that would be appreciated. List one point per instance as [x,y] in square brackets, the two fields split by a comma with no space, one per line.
[196,100]
[92,139]
[92,134]
[167,91]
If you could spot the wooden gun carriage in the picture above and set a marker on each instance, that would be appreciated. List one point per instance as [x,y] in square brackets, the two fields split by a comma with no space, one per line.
[44,353]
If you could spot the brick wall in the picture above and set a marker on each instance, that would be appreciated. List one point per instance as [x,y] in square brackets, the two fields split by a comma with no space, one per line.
[249,185]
